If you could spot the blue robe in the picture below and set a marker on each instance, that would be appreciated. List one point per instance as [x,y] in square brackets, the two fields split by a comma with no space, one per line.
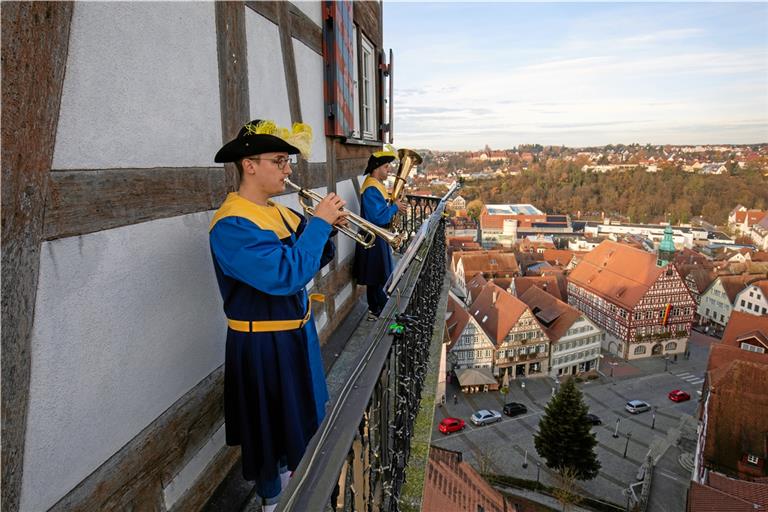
[373,266]
[274,386]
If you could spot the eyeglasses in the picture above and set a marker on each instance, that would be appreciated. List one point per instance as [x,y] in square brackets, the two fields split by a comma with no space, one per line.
[279,161]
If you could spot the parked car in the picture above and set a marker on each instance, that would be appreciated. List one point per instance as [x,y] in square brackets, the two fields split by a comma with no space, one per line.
[514,409]
[593,419]
[449,425]
[679,396]
[485,416]
[637,406]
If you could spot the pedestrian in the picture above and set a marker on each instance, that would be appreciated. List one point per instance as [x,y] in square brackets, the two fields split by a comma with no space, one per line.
[455,399]
[264,254]
[442,399]
[373,266]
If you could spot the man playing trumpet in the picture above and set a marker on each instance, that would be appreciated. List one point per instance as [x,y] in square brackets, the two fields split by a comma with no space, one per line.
[264,254]
[373,266]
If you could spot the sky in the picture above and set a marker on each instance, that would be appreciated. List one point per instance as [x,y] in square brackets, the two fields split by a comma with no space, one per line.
[577,74]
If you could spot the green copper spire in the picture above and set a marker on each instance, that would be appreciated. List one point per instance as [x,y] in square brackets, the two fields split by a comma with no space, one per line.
[666,248]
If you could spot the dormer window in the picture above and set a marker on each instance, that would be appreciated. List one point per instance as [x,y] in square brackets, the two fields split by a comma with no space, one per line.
[753,459]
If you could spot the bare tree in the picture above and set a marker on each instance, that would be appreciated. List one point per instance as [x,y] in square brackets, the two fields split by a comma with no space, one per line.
[567,492]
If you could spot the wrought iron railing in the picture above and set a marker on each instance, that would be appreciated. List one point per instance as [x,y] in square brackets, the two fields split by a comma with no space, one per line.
[419,209]
[357,460]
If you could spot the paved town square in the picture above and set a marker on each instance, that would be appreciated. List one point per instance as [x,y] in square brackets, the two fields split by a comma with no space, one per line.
[667,434]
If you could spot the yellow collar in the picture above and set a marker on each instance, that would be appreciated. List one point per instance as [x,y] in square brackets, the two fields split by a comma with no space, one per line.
[270,218]
[370,181]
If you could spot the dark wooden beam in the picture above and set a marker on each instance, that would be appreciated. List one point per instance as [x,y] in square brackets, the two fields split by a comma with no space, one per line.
[266,9]
[306,30]
[367,15]
[289,61]
[133,478]
[350,168]
[86,201]
[35,41]
[231,46]
[301,26]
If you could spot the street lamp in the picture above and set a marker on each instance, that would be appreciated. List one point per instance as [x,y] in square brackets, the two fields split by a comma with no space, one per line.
[538,473]
[525,460]
[626,446]
[666,363]
[616,432]
[653,423]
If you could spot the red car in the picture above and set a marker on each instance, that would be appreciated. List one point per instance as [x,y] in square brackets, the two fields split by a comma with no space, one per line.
[679,396]
[449,425]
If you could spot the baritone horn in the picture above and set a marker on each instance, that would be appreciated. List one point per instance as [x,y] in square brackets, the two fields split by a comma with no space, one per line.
[408,158]
[367,231]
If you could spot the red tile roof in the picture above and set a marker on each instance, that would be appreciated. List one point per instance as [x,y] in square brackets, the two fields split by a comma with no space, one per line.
[496,311]
[741,324]
[489,262]
[736,407]
[751,216]
[546,307]
[475,286]
[548,283]
[702,498]
[456,319]
[558,256]
[452,484]
[734,284]
[619,273]
[750,491]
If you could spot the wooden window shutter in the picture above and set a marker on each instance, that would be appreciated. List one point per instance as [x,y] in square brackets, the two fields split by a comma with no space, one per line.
[338,57]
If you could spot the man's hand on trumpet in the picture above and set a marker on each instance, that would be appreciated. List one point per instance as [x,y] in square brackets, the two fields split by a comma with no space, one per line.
[401,206]
[330,210]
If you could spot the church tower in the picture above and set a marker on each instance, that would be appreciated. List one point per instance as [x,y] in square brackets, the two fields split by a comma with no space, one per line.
[666,248]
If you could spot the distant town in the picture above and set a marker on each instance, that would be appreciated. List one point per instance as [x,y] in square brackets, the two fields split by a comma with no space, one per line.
[655,318]
[491,163]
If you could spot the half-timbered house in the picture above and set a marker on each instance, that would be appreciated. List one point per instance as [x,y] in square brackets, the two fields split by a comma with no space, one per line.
[645,309]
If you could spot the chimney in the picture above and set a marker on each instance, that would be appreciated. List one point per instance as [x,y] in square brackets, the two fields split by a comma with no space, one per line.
[544,287]
[495,296]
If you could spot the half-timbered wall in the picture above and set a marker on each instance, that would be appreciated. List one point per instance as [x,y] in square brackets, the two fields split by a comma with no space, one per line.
[117,344]
[642,325]
[526,344]
[473,349]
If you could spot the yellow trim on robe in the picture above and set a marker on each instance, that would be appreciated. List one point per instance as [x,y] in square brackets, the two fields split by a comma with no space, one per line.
[370,181]
[266,217]
[276,325]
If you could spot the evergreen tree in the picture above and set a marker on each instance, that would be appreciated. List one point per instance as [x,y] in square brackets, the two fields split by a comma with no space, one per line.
[564,439]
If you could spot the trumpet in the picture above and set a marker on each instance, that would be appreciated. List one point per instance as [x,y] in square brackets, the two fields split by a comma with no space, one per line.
[367,231]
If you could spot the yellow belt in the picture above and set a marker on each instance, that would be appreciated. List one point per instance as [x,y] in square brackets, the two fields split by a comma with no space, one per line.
[276,325]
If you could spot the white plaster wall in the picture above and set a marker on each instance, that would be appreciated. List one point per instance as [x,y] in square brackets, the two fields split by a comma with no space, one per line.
[311,8]
[309,69]
[127,321]
[344,244]
[267,90]
[141,87]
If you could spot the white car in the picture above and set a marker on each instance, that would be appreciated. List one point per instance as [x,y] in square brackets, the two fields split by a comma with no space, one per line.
[485,416]
[637,406]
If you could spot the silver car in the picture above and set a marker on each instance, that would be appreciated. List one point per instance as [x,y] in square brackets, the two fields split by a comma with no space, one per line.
[485,416]
[637,406]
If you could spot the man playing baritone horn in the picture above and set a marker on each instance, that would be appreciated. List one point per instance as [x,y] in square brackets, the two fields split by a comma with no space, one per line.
[264,254]
[373,266]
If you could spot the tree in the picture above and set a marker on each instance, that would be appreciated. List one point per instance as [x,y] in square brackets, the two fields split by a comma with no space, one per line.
[567,492]
[564,439]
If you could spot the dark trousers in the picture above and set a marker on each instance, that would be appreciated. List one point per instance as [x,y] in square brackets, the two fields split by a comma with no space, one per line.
[376,298]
